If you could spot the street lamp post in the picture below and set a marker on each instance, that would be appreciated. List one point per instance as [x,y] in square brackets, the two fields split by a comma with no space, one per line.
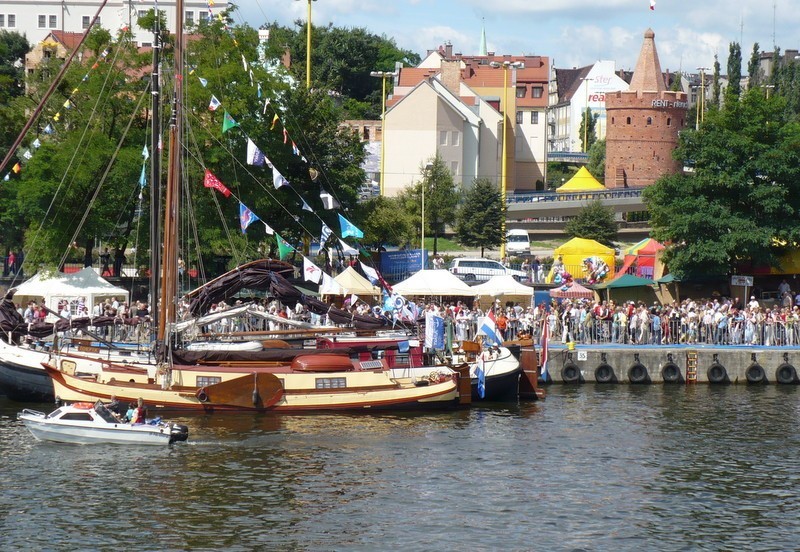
[425,178]
[308,47]
[382,75]
[504,163]
[586,115]
[702,93]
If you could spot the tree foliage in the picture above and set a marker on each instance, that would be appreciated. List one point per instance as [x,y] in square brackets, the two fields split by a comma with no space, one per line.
[734,88]
[479,220]
[384,221]
[594,222]
[715,83]
[743,197]
[753,67]
[597,161]
[588,134]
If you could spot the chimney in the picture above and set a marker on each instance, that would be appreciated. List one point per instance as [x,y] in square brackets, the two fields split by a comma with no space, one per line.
[451,75]
[448,49]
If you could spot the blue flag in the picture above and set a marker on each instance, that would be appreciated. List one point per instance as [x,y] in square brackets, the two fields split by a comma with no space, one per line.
[349,229]
[246,217]
[480,373]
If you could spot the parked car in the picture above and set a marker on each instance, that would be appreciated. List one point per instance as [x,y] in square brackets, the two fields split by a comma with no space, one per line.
[480,270]
[518,242]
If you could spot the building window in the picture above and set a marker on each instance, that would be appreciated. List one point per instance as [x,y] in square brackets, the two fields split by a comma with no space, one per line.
[612,120]
[534,117]
[53,21]
[520,91]
[442,137]
[147,44]
[669,121]
[11,20]
[649,121]
[629,120]
[2,20]
[456,137]
[188,18]
[141,13]
[538,91]
[42,21]
[365,134]
[85,21]
[519,117]
[204,17]
[331,383]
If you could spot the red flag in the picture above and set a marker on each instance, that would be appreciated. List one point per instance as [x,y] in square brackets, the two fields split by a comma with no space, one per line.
[285,135]
[212,181]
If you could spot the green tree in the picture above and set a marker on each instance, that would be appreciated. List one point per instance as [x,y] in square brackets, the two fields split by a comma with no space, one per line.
[594,222]
[734,88]
[715,83]
[588,134]
[13,47]
[480,217]
[743,196]
[597,160]
[753,67]
[385,221]
[677,84]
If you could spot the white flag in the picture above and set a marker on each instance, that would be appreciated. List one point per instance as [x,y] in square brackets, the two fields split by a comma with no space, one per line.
[254,155]
[214,104]
[372,274]
[327,200]
[311,272]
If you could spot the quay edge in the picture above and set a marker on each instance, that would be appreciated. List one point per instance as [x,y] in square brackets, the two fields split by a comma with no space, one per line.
[665,364]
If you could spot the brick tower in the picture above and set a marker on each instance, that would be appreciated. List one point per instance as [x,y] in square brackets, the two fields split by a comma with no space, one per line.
[643,124]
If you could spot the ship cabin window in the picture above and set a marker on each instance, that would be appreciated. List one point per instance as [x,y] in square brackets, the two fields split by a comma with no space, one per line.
[79,416]
[204,381]
[331,383]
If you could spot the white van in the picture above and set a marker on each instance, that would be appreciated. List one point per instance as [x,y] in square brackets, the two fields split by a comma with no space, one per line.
[518,242]
[473,270]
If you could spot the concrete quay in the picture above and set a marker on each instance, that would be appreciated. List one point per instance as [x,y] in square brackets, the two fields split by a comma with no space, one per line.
[673,364]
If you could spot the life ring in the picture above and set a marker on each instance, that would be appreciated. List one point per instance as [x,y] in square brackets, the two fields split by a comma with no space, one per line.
[786,374]
[670,373]
[604,373]
[434,376]
[201,395]
[570,373]
[755,373]
[717,373]
[637,373]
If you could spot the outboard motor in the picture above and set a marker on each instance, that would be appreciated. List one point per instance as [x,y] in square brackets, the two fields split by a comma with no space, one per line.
[178,432]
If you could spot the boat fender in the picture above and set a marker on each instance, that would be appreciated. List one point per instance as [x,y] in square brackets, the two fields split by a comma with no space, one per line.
[570,373]
[637,373]
[786,374]
[755,374]
[670,373]
[421,383]
[717,373]
[604,373]
[201,395]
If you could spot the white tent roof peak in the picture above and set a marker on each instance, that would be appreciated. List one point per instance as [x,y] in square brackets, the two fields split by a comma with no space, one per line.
[433,282]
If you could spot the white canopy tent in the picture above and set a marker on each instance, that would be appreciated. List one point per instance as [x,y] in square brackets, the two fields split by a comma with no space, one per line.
[56,287]
[503,285]
[353,282]
[433,282]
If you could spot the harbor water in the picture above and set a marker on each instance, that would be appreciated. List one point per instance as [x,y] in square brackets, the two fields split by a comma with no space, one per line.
[590,468]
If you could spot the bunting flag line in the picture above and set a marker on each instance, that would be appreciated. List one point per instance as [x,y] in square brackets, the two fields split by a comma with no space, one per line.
[306,206]
[228,122]
[284,249]
[324,235]
[311,272]
[349,229]
[142,178]
[274,120]
[203,81]
[371,273]
[48,129]
[246,217]
[214,104]
[145,153]
[27,154]
[328,202]
[266,103]
[259,92]
[285,135]
[295,149]
[347,250]
[16,168]
[36,143]
[278,179]
[267,228]
[254,155]
[211,181]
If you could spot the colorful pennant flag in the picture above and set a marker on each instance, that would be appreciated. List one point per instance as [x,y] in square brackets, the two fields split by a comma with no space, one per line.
[295,149]
[27,154]
[278,179]
[142,178]
[267,228]
[274,121]
[214,104]
[246,217]
[306,206]
[325,234]
[48,129]
[254,155]
[228,122]
[311,272]
[371,273]
[349,229]
[285,135]
[211,181]
[16,168]
[203,81]
[145,153]
[327,200]
[284,249]
[36,143]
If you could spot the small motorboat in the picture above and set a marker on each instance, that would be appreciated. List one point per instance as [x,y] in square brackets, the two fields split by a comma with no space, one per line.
[87,423]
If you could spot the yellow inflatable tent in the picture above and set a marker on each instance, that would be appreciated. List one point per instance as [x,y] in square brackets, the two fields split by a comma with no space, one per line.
[571,256]
[583,181]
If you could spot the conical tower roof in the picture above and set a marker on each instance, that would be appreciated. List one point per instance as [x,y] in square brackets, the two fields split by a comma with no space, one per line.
[647,76]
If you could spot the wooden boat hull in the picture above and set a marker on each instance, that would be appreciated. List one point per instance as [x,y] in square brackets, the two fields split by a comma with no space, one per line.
[299,392]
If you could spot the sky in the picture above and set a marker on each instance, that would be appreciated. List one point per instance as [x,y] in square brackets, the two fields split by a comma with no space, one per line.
[573,33]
